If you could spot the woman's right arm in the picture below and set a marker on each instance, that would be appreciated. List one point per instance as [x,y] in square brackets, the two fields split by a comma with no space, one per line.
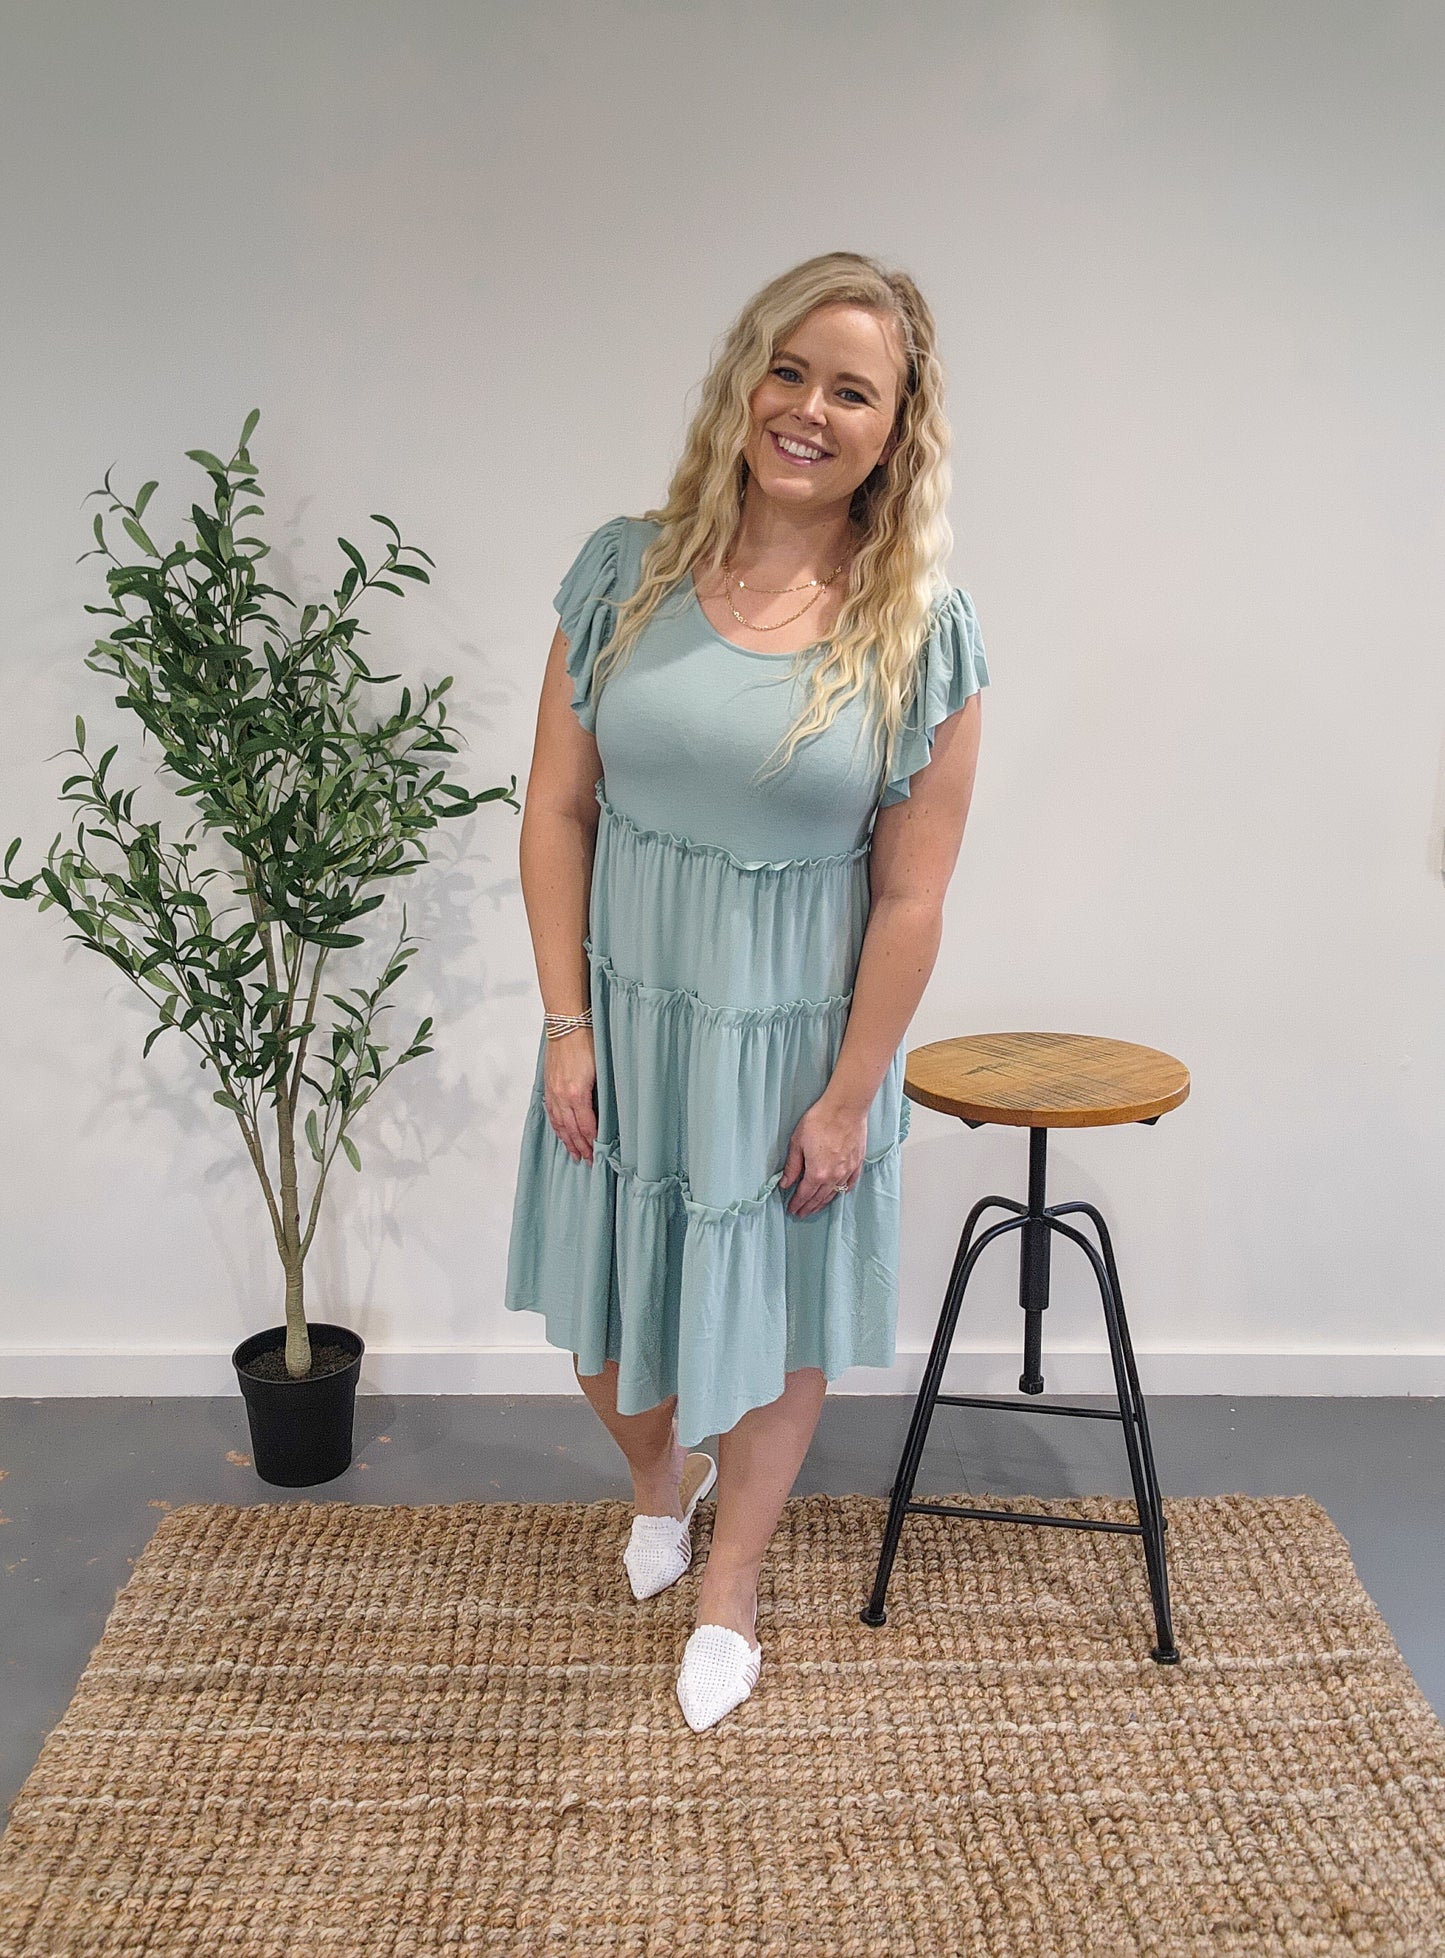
[559,835]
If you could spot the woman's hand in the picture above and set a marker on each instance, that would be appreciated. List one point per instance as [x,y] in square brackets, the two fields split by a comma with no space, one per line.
[827,1149]
[569,1080]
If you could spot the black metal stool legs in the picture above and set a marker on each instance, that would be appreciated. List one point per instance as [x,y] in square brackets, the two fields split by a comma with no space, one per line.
[1153,1522]
[1037,1222]
[963,1263]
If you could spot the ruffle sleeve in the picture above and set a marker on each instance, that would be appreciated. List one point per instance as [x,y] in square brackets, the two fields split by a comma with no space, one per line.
[952,666]
[585,616]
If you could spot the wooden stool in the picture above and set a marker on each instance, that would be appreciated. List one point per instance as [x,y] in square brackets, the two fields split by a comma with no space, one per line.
[1041,1081]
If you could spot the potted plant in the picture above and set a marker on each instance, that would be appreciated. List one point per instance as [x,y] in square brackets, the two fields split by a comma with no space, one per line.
[308,799]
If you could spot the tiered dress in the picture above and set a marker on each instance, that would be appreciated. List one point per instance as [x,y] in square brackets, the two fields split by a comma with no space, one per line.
[725,923]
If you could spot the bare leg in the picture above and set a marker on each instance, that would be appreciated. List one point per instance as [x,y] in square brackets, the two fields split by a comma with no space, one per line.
[758,1462]
[649,1442]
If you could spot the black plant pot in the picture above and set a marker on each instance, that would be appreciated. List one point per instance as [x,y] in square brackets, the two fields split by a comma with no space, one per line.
[301,1430]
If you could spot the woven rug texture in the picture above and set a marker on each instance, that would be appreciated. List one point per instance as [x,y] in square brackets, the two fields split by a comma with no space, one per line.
[335,1730]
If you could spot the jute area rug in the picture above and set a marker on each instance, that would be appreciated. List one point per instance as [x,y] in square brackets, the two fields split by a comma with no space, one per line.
[312,1730]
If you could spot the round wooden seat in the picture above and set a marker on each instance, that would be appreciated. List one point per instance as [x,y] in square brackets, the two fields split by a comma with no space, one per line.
[1045,1080]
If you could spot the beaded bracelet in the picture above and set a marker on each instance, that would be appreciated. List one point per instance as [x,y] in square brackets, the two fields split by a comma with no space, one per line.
[555,1025]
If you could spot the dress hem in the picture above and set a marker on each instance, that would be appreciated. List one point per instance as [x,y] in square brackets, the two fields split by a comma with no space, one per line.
[721,1419]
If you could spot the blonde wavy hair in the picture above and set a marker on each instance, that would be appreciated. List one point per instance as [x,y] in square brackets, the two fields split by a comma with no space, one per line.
[897,576]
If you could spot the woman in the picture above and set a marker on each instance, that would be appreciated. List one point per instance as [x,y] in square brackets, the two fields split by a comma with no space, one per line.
[754,755]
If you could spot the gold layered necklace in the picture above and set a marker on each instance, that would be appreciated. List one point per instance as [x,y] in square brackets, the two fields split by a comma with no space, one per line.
[817,586]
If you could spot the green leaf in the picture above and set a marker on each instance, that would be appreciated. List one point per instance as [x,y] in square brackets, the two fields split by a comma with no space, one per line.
[312,1137]
[226,1101]
[207,460]
[356,558]
[351,1154]
[147,490]
[138,536]
[249,429]
[79,732]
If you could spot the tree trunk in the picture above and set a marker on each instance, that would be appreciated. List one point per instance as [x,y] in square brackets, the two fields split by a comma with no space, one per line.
[298,1340]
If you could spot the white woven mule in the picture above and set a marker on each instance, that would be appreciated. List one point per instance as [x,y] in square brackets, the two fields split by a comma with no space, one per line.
[719,1670]
[659,1549]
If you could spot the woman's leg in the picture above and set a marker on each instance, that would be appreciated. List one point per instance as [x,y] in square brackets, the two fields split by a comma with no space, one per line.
[649,1442]
[758,1462]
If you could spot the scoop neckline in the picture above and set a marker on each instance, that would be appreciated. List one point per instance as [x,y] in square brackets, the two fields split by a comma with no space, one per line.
[746,651]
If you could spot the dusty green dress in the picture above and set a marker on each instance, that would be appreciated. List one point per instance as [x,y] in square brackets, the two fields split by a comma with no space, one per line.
[725,924]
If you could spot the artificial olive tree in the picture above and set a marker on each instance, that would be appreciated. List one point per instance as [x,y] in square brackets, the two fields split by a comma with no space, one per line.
[307,799]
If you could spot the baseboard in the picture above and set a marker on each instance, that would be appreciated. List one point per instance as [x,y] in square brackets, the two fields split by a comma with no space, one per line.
[38,1373]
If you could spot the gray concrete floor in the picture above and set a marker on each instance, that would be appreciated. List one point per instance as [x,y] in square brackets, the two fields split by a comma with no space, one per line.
[83,1484]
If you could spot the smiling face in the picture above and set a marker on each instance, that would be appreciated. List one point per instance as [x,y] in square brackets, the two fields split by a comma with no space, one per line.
[823,415]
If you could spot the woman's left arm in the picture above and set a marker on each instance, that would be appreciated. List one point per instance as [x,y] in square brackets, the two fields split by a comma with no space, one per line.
[915,848]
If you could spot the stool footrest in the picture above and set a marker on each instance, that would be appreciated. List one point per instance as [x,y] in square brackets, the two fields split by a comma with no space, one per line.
[1023,1516]
[1026,1406]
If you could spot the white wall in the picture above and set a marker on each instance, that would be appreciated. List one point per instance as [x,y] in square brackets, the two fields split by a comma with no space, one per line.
[470,261]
